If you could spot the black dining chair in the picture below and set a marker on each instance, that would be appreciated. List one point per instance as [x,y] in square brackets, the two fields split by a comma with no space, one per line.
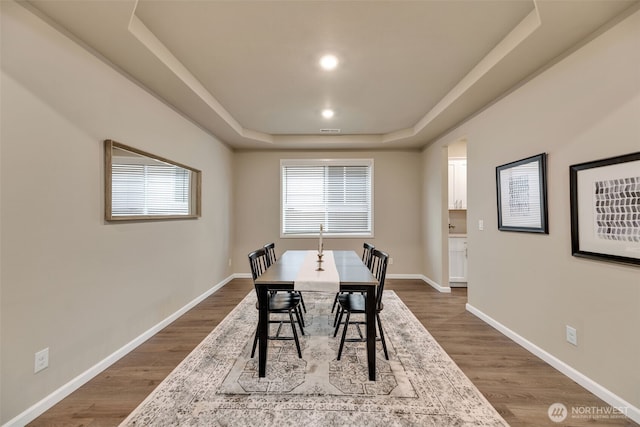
[270,248]
[367,249]
[279,303]
[356,303]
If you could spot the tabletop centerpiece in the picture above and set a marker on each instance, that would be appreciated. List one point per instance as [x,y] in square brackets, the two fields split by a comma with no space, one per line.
[320,250]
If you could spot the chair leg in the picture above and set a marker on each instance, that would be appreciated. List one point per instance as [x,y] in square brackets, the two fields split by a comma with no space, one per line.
[359,331]
[304,307]
[335,302]
[336,324]
[384,343]
[299,319]
[255,342]
[344,334]
[338,312]
[295,334]
[279,329]
[255,339]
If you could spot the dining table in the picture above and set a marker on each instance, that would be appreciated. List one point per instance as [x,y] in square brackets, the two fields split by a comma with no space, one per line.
[354,276]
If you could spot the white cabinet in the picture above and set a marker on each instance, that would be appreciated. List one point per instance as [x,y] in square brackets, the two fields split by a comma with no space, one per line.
[457,183]
[457,259]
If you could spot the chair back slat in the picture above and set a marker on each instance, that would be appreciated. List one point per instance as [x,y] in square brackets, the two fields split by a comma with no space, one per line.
[367,253]
[379,262]
[258,262]
[270,249]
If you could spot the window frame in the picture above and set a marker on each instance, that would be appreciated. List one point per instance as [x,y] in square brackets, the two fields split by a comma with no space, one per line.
[195,194]
[328,162]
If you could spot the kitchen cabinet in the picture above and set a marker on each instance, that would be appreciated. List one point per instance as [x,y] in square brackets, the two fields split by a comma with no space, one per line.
[458,259]
[457,183]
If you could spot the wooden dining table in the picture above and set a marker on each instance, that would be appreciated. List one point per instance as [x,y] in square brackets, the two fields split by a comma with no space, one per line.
[281,276]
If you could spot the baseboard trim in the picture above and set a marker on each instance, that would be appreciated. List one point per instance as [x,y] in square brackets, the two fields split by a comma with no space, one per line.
[49,401]
[603,393]
[433,283]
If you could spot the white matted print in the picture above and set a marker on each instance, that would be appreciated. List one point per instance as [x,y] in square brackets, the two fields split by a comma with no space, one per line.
[522,195]
[605,209]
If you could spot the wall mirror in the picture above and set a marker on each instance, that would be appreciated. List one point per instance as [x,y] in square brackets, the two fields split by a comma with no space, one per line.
[142,186]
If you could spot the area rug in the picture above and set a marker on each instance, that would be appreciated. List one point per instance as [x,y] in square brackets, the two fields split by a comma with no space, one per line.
[218,384]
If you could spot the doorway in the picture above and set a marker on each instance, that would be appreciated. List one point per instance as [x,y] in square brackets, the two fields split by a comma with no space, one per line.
[457,211]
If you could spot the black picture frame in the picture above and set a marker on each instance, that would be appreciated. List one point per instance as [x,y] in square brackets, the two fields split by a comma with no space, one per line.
[522,195]
[605,209]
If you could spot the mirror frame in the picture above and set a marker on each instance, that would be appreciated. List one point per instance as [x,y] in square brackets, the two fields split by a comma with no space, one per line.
[109,145]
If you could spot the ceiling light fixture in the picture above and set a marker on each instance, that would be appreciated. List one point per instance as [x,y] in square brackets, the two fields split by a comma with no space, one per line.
[327,114]
[329,62]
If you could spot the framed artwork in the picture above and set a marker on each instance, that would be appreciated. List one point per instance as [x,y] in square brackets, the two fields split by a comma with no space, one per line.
[605,209]
[522,195]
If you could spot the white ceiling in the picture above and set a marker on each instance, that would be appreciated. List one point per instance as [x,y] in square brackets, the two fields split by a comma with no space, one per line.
[247,71]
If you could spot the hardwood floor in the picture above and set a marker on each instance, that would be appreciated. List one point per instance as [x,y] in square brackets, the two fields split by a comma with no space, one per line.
[518,384]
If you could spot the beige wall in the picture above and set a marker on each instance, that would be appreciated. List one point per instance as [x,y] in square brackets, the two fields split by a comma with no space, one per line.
[70,281]
[458,219]
[435,227]
[397,211]
[458,149]
[584,108]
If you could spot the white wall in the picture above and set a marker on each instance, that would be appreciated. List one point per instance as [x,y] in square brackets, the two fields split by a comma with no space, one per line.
[397,212]
[69,281]
[584,108]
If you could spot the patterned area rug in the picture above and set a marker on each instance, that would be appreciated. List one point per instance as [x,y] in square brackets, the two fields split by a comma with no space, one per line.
[218,384]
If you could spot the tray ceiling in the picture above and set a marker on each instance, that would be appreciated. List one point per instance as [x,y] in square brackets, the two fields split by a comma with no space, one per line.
[247,71]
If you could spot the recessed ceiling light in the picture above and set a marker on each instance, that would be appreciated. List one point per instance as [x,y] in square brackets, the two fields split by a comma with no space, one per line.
[329,62]
[327,114]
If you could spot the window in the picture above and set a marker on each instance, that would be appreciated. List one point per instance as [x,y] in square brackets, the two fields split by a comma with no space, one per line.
[334,193]
[139,185]
[148,189]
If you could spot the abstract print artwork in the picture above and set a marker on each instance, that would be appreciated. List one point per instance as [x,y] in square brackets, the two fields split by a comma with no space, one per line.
[618,209]
[522,195]
[519,195]
[605,209]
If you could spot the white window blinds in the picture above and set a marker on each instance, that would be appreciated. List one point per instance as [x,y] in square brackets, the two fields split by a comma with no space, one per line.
[334,193]
[149,189]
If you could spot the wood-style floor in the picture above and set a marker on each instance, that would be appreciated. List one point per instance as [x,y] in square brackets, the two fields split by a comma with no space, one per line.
[518,384]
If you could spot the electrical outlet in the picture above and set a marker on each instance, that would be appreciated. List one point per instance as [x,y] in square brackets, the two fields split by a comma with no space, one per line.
[229,262]
[480,224]
[572,335]
[390,261]
[41,360]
